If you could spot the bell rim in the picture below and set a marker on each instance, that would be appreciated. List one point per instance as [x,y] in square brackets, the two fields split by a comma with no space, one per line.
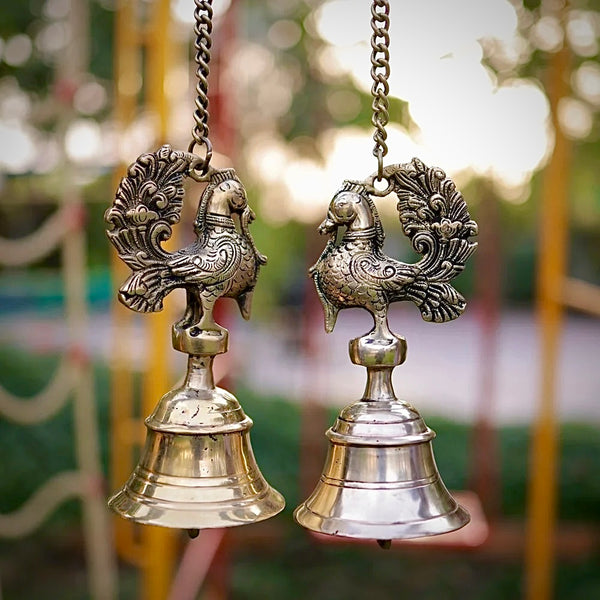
[201,515]
[366,530]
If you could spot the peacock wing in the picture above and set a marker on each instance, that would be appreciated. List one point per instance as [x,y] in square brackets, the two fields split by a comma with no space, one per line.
[380,271]
[214,262]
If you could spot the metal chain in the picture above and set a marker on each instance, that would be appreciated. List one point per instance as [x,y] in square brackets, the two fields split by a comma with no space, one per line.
[203,14]
[380,72]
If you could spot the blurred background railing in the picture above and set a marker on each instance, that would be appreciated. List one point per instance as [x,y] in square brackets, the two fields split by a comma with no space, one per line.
[503,95]
[64,231]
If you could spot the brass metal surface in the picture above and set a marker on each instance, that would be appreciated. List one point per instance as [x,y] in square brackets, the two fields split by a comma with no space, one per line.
[197,469]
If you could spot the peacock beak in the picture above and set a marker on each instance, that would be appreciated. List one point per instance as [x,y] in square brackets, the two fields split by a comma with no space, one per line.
[327,226]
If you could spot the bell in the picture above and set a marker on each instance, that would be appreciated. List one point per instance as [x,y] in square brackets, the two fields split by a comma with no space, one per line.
[380,480]
[197,469]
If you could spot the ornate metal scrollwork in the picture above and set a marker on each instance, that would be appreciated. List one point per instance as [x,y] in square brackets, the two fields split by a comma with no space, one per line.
[222,261]
[356,273]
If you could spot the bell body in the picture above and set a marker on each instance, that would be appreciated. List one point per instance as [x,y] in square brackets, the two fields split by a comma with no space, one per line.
[197,469]
[380,480]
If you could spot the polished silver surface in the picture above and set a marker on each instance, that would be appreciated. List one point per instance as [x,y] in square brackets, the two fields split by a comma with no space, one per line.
[381,492]
[380,479]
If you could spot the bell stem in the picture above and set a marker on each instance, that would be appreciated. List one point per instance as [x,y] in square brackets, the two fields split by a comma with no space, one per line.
[379,385]
[199,374]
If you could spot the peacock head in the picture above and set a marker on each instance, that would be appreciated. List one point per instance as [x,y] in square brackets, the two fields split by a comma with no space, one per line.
[347,209]
[228,197]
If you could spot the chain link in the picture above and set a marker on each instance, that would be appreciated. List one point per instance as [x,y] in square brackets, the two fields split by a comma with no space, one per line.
[380,72]
[203,14]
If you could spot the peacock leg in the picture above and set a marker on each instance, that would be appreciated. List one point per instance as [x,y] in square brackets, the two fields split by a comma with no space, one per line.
[207,321]
[190,316]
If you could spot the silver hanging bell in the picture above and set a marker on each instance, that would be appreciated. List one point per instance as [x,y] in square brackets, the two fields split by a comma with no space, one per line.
[380,479]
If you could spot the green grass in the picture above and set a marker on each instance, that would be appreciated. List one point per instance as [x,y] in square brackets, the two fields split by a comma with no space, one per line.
[297,568]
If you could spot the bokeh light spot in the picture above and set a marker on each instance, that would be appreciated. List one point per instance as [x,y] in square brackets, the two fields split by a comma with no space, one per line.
[284,34]
[586,81]
[343,105]
[575,118]
[90,98]
[17,50]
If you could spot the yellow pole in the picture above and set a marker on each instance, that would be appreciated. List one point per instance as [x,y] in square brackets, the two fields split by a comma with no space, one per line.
[123,436]
[159,542]
[552,250]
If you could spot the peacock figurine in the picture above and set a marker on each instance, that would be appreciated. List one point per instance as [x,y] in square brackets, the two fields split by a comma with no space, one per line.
[222,261]
[354,271]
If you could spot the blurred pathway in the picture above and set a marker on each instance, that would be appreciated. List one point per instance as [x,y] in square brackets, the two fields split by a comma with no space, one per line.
[440,376]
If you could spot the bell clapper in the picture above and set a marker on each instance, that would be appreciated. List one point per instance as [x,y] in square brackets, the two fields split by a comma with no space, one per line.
[193,534]
[384,544]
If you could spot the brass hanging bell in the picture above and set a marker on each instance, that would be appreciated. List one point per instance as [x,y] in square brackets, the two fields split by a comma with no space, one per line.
[197,469]
[380,480]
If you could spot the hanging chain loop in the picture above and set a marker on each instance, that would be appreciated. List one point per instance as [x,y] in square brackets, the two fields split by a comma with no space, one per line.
[380,72]
[203,14]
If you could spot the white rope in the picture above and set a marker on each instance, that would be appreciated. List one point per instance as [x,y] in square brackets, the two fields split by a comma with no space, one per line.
[37,245]
[46,403]
[46,499]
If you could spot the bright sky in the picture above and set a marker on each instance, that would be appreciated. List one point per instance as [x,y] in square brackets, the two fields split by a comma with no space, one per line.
[466,123]
[466,120]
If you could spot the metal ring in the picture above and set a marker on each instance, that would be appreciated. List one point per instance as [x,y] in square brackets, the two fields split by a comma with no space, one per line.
[202,164]
[369,184]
